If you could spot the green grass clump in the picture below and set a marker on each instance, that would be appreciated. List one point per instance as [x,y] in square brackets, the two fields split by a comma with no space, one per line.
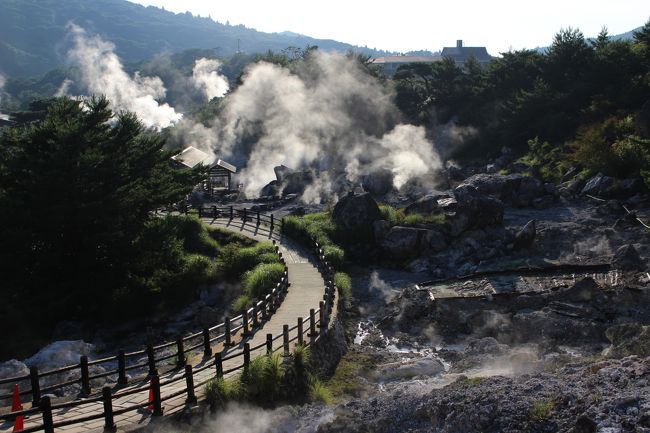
[334,255]
[220,391]
[319,393]
[343,282]
[541,409]
[347,378]
[236,260]
[242,302]
[261,279]
[397,217]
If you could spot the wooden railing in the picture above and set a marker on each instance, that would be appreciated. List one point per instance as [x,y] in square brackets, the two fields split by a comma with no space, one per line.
[305,331]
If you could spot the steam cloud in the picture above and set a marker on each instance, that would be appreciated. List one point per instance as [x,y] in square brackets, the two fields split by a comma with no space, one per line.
[327,115]
[206,78]
[2,84]
[102,73]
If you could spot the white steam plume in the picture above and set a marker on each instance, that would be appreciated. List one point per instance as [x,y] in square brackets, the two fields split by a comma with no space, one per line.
[207,79]
[2,84]
[63,88]
[102,73]
[328,114]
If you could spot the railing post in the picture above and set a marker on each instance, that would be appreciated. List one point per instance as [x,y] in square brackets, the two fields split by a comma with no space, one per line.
[247,354]
[271,222]
[189,382]
[312,323]
[200,209]
[46,408]
[226,331]
[256,321]
[272,302]
[207,349]
[121,368]
[244,216]
[258,218]
[180,352]
[300,339]
[265,315]
[151,360]
[244,320]
[323,323]
[214,212]
[269,344]
[285,339]
[231,216]
[157,402]
[218,365]
[85,376]
[36,386]
[109,421]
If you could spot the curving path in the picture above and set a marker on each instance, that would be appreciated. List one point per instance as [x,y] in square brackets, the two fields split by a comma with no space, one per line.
[305,292]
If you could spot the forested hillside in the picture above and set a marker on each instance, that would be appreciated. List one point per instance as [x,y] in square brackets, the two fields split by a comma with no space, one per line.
[33,35]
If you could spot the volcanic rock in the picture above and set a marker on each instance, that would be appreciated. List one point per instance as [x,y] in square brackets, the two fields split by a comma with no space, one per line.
[402,242]
[424,205]
[626,257]
[355,210]
[628,339]
[526,236]
[379,182]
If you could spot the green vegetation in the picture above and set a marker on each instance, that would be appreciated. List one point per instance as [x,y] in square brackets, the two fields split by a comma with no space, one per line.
[579,103]
[237,260]
[344,284]
[541,409]
[348,376]
[261,279]
[397,217]
[269,381]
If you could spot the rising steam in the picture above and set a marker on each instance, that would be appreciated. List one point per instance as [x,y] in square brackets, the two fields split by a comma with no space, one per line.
[2,84]
[102,73]
[329,115]
[206,78]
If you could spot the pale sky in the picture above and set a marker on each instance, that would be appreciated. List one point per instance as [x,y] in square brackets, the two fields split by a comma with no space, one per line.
[404,25]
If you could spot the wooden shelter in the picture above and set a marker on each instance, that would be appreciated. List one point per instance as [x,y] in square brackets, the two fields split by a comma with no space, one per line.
[219,173]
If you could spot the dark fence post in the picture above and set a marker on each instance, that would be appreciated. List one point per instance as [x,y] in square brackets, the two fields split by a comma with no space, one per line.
[180,352]
[247,354]
[264,312]
[218,365]
[271,222]
[323,323]
[189,381]
[300,339]
[269,344]
[151,359]
[312,323]
[244,320]
[272,302]
[85,376]
[157,402]
[207,349]
[214,212]
[121,368]
[231,213]
[36,386]
[109,421]
[46,408]
[244,216]
[226,325]
[256,322]
[285,339]
[258,218]
[200,209]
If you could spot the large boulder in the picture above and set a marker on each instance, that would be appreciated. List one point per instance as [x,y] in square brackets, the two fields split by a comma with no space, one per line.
[599,185]
[288,181]
[474,210]
[402,242]
[627,258]
[516,189]
[628,339]
[356,210]
[378,182]
[526,236]
[424,205]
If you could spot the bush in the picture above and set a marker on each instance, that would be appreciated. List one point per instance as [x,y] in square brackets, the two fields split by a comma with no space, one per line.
[236,260]
[397,217]
[319,393]
[242,301]
[541,409]
[259,281]
[334,255]
[343,282]
[220,391]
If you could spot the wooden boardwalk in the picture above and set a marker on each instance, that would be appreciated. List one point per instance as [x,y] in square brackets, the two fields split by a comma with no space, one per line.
[305,292]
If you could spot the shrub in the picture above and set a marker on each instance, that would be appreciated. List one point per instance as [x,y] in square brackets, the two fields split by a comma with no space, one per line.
[334,255]
[392,215]
[218,392]
[541,409]
[262,279]
[242,301]
[236,260]
[343,282]
[319,393]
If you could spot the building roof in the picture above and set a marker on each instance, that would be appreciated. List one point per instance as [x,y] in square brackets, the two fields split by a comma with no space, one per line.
[406,59]
[221,163]
[466,52]
[191,157]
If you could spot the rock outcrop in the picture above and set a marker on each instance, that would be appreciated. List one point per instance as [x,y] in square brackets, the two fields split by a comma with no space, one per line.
[356,210]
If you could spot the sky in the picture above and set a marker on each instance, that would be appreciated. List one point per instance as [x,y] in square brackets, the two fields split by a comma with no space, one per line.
[405,25]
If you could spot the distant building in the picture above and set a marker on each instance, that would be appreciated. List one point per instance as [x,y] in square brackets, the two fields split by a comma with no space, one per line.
[461,53]
[219,174]
[390,64]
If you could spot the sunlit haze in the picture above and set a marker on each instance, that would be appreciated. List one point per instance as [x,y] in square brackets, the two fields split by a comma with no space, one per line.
[424,25]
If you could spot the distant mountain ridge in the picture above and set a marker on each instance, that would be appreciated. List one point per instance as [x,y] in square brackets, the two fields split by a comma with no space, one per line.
[33,35]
